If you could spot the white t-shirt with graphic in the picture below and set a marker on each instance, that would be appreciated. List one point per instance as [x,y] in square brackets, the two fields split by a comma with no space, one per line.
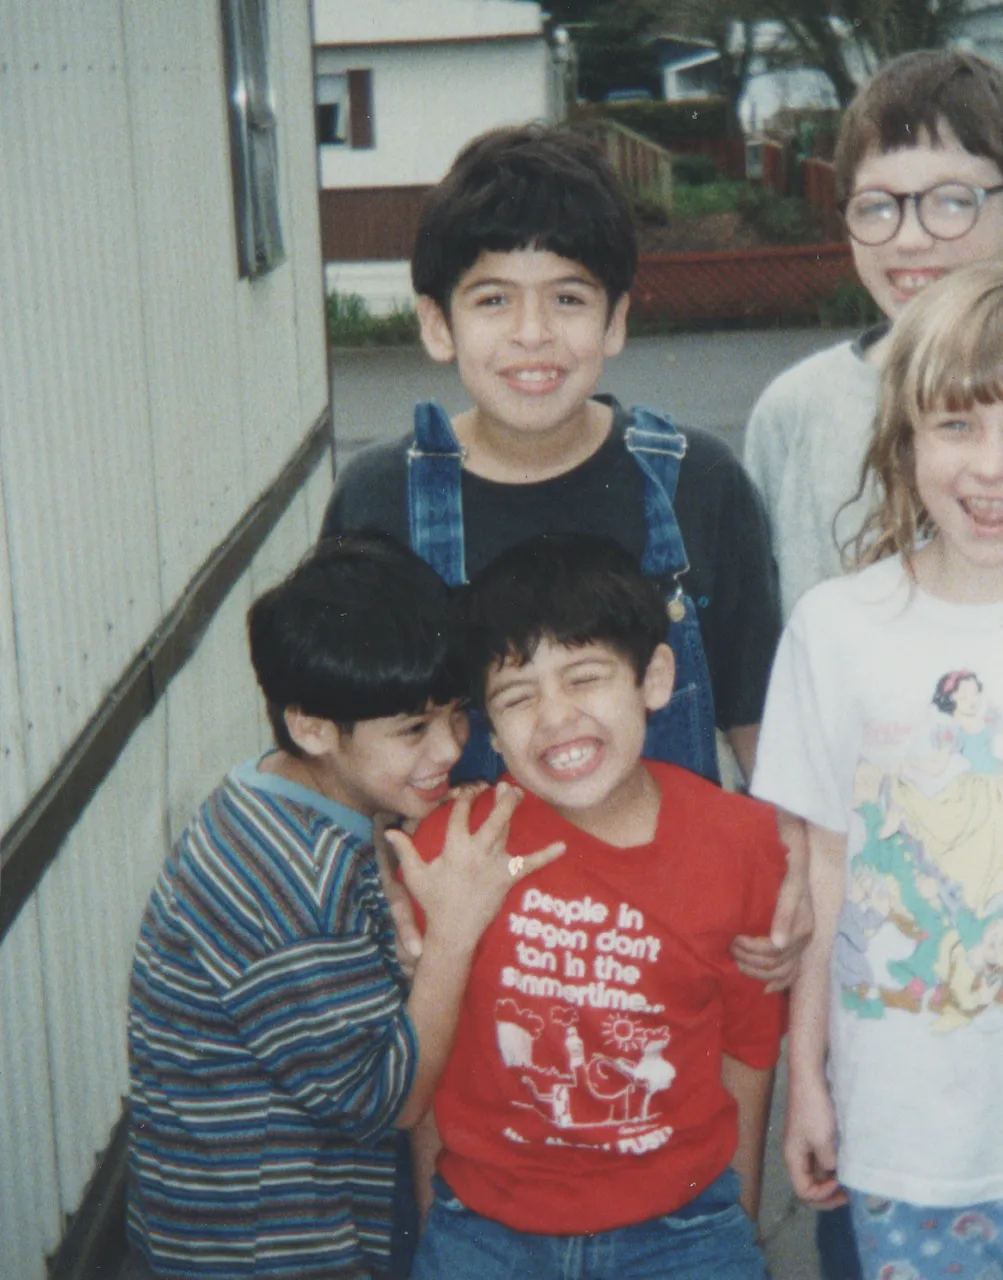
[884,721]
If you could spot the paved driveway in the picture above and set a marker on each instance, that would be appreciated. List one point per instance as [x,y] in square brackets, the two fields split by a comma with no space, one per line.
[701,379]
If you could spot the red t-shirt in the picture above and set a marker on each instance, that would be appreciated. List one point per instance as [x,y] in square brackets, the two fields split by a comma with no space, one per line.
[583,1092]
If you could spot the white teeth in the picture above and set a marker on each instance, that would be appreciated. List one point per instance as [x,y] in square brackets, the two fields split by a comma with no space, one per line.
[535,375]
[911,283]
[991,507]
[570,757]
[429,784]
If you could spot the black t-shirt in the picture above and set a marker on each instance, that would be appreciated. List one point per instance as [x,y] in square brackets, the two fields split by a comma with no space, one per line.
[732,577]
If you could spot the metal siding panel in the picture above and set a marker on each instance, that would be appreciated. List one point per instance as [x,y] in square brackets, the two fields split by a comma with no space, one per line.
[189,270]
[317,494]
[74,450]
[14,786]
[292,36]
[30,1220]
[89,907]
[211,712]
[267,313]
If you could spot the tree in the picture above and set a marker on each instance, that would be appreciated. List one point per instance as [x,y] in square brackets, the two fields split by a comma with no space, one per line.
[613,44]
[728,26]
[840,37]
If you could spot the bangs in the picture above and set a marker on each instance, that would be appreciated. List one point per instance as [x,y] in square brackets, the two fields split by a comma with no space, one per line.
[955,352]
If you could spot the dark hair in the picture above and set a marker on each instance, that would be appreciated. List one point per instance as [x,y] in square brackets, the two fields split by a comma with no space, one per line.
[533,187]
[361,629]
[570,588]
[945,696]
[922,91]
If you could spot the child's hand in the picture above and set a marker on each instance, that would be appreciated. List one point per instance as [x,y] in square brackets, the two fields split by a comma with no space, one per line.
[810,1144]
[774,960]
[461,890]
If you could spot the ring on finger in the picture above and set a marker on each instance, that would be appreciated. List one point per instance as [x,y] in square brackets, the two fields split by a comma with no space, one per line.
[515,864]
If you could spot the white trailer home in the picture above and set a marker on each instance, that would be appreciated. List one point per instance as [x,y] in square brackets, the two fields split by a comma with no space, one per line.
[164,454]
[401,86]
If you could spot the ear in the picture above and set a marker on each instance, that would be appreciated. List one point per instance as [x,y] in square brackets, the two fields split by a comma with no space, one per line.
[616,327]
[312,734]
[659,678]
[436,335]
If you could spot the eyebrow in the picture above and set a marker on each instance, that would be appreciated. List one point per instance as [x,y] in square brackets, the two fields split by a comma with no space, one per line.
[499,282]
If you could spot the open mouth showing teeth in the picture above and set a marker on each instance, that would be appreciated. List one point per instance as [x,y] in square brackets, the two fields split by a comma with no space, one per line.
[986,512]
[913,283]
[534,377]
[570,759]
[432,784]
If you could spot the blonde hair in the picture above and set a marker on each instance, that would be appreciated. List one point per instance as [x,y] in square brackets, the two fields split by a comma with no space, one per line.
[945,355]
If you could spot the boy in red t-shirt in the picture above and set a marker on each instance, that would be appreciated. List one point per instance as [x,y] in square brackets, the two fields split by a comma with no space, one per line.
[610,1061]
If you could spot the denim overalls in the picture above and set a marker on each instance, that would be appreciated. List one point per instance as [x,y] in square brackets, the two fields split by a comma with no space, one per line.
[682,733]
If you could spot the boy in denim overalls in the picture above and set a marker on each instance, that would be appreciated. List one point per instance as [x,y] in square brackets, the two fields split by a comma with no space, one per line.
[523,263]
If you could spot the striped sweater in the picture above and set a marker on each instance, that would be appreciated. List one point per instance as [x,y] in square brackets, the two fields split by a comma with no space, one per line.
[269,1046]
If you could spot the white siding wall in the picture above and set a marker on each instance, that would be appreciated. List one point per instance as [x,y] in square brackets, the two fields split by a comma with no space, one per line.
[428,100]
[147,397]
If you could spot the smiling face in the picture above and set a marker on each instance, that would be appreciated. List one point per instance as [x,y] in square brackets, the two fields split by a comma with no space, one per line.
[570,723]
[894,272]
[394,764]
[959,477]
[529,331]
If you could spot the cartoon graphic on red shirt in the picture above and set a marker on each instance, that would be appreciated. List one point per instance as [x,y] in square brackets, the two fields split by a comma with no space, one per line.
[592,1088]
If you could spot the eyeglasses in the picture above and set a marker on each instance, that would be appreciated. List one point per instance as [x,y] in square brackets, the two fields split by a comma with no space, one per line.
[946,212]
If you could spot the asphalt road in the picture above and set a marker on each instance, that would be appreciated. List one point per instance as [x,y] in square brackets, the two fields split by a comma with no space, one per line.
[701,379]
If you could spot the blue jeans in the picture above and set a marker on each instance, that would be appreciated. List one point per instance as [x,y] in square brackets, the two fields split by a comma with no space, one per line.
[711,1238]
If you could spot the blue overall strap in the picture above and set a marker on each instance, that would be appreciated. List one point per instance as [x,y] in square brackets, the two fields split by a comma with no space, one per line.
[435,515]
[683,732]
[658,447]
[434,497]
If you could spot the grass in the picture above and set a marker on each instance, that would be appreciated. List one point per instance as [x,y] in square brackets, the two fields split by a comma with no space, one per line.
[350,324]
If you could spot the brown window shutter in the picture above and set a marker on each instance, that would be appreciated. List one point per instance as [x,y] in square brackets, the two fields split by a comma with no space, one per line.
[360,114]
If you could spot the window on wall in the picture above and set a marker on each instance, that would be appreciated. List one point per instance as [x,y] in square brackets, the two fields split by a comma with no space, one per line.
[253,136]
[345,109]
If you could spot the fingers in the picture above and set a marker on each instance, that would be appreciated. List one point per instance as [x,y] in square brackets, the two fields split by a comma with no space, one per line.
[760,959]
[411,861]
[534,861]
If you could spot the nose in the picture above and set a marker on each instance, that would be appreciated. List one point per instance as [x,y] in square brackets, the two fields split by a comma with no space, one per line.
[988,461]
[447,736]
[554,709]
[911,233]
[532,327]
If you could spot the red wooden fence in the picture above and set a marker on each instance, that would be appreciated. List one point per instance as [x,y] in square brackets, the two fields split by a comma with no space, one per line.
[748,284]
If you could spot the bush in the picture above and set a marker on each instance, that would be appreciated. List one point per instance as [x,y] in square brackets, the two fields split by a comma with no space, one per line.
[349,324]
[694,169]
[711,197]
[665,122]
[780,219]
[849,305]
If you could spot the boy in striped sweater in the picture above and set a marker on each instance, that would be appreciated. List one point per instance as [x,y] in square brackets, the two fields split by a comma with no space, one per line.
[275,1050]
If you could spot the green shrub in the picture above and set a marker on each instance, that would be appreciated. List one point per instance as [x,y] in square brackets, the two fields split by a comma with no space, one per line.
[694,169]
[665,122]
[780,219]
[349,324]
[710,197]
[849,305]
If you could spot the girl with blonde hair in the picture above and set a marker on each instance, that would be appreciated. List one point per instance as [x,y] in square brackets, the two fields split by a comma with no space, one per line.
[881,733]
